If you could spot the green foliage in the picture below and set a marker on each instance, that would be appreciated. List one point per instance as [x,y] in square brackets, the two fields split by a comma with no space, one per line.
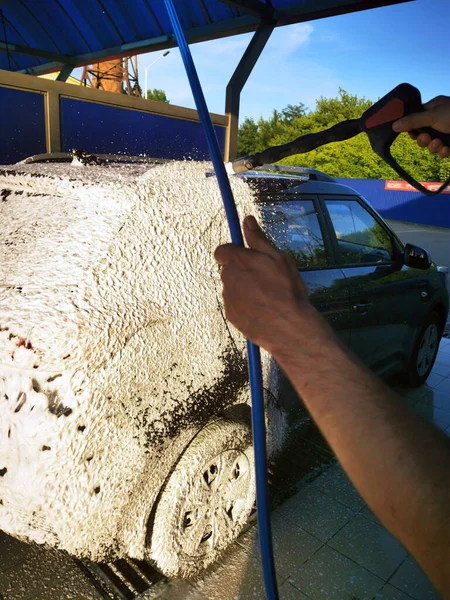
[353,158]
[158,95]
[293,112]
[256,136]
[444,170]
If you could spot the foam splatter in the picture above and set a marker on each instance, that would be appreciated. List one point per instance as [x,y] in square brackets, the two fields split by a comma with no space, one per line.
[114,350]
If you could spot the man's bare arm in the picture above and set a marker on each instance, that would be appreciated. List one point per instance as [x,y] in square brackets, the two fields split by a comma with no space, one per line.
[399,463]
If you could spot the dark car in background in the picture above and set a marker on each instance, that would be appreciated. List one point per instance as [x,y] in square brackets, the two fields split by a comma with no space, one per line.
[387,301]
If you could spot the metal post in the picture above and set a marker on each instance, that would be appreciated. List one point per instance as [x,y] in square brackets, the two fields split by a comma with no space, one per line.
[237,82]
[52,121]
[65,72]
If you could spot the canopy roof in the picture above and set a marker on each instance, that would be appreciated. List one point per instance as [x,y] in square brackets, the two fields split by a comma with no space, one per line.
[38,36]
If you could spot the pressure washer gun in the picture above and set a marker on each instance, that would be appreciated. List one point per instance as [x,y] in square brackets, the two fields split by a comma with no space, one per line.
[376,122]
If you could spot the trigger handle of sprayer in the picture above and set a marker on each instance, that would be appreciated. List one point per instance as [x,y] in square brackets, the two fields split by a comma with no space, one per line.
[403,100]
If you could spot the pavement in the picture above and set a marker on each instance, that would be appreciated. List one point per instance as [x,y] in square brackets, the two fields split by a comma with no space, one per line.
[327,543]
[32,572]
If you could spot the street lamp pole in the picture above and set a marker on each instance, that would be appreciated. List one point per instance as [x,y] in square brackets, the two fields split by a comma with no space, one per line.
[151,65]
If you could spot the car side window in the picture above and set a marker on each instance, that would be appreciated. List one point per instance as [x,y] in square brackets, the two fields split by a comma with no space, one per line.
[360,237]
[294,228]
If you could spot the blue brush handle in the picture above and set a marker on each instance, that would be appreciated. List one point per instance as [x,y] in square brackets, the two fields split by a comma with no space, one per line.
[254,359]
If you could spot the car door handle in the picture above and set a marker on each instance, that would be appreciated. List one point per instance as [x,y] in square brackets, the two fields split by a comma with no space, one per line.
[361,307]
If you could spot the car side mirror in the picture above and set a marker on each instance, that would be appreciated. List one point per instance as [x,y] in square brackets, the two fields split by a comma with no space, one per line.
[416,257]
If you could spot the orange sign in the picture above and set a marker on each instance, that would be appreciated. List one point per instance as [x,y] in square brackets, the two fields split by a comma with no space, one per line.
[403,186]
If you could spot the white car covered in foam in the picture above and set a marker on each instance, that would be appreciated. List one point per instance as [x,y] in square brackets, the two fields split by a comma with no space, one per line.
[124,401]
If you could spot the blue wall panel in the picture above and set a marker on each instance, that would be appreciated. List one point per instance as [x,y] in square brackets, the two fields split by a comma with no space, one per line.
[22,125]
[411,207]
[105,129]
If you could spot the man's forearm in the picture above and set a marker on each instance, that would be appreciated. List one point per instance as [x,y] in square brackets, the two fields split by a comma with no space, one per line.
[399,463]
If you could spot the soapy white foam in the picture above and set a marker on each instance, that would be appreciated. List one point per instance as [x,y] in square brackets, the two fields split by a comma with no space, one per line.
[111,344]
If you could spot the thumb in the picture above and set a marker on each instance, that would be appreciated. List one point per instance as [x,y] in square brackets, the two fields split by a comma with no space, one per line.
[414,121]
[255,237]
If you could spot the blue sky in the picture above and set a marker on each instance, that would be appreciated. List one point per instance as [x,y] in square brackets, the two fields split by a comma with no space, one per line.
[367,53]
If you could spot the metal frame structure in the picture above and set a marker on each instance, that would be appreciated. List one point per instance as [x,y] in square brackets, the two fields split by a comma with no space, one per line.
[237,82]
[120,75]
[53,91]
[259,16]
[250,15]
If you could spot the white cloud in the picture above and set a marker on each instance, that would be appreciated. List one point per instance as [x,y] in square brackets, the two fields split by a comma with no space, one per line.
[284,74]
[230,47]
[286,40]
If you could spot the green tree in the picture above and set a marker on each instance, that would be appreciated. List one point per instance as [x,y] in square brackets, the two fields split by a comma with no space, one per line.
[330,111]
[248,137]
[158,95]
[293,112]
[444,169]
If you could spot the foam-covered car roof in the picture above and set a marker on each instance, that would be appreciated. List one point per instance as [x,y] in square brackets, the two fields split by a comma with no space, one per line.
[41,35]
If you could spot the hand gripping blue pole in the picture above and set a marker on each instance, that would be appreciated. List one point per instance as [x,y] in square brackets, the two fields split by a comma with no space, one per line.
[254,359]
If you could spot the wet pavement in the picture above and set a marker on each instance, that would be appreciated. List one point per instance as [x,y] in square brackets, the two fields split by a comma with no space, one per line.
[328,545]
[31,572]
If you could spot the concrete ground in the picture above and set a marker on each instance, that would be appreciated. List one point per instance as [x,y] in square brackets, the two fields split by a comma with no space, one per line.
[327,543]
[30,572]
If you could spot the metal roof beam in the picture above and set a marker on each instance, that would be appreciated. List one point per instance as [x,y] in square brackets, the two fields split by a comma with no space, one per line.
[197,34]
[36,52]
[110,21]
[73,24]
[205,12]
[255,8]
[65,73]
[93,57]
[153,17]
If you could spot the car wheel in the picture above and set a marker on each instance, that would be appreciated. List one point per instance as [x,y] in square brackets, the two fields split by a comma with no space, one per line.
[425,351]
[206,500]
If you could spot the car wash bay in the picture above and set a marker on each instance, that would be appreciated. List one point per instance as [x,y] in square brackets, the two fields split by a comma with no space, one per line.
[317,530]
[327,542]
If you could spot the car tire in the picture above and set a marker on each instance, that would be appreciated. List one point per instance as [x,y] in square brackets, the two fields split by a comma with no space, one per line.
[425,351]
[206,501]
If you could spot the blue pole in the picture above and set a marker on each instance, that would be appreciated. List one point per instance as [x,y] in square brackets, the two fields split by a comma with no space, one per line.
[254,359]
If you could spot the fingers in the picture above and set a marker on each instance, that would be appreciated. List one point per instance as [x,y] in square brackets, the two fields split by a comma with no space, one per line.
[435,115]
[228,252]
[414,121]
[256,239]
[435,146]
[423,140]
